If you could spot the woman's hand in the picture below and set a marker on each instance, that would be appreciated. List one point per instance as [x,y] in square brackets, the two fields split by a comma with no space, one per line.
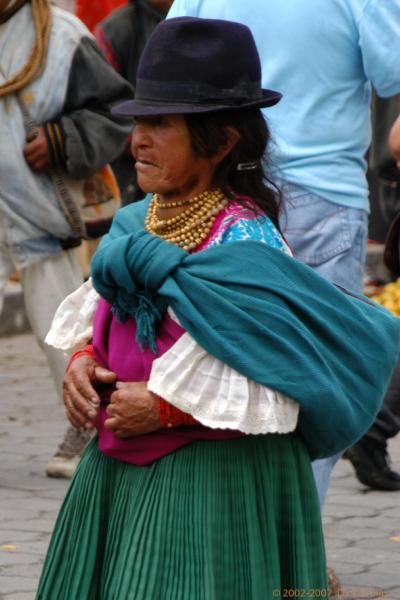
[133,410]
[80,397]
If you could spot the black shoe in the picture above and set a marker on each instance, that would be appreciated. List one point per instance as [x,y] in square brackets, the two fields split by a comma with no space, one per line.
[372,466]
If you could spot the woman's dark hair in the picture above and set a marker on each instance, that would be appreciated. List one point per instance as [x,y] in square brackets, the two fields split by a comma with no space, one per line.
[208,132]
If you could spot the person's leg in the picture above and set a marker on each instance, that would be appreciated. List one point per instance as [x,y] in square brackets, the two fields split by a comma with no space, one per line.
[369,456]
[332,240]
[46,284]
[6,268]
[387,423]
[322,469]
[6,265]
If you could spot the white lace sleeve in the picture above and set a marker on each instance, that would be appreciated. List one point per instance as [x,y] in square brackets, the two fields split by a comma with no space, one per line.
[217,395]
[72,325]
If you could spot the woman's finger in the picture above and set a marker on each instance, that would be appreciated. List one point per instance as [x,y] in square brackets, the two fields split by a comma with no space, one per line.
[81,378]
[113,423]
[88,392]
[82,404]
[76,419]
[111,410]
[104,375]
[123,433]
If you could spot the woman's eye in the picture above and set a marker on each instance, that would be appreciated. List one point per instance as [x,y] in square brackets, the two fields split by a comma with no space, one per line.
[159,120]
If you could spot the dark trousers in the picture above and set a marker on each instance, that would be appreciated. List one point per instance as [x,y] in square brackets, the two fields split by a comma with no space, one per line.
[387,423]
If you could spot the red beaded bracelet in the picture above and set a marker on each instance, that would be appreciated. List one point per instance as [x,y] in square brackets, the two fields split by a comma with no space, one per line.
[170,416]
[86,351]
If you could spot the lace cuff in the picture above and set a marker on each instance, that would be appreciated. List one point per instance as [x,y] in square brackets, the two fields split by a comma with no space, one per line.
[72,325]
[217,395]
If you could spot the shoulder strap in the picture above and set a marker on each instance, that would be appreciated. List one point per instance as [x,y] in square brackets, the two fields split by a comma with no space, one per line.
[30,125]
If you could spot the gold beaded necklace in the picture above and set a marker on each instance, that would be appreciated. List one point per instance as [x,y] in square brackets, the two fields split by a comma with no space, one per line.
[190,227]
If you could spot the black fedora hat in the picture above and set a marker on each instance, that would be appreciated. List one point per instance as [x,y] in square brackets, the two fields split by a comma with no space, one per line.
[192,65]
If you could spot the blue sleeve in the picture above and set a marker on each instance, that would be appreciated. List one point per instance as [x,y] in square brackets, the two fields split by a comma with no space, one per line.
[379,30]
[260,230]
[178,9]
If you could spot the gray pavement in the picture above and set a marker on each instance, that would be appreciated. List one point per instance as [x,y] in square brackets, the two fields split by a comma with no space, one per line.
[31,425]
[362,528]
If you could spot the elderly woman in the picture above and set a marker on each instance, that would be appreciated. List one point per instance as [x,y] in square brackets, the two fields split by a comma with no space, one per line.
[216,360]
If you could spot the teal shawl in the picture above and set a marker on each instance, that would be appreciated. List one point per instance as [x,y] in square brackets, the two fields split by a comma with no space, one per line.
[266,315]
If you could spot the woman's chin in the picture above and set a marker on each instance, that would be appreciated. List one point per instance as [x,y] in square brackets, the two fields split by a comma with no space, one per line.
[146,184]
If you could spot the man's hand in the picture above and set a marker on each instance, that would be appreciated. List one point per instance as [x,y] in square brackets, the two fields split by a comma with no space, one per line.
[37,152]
[133,410]
[80,397]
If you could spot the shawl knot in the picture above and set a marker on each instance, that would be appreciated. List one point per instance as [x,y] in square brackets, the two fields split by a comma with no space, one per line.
[128,272]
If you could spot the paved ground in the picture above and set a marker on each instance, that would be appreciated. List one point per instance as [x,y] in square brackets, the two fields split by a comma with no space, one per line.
[362,528]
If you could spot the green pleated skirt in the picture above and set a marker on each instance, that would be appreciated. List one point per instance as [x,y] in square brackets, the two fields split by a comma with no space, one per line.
[217,520]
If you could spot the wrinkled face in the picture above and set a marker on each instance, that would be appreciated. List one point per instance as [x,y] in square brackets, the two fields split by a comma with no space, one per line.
[165,161]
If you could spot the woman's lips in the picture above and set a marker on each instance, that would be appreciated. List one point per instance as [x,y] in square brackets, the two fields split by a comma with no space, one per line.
[144,164]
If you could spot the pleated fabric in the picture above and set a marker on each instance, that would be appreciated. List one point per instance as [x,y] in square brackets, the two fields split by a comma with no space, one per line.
[217,520]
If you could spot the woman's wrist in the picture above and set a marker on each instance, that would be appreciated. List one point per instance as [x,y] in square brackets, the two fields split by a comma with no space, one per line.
[86,351]
[170,416]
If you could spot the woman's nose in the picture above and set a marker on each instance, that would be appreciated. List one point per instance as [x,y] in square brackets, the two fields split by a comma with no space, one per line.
[140,137]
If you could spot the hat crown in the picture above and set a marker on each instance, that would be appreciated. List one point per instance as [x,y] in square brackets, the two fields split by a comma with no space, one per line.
[196,55]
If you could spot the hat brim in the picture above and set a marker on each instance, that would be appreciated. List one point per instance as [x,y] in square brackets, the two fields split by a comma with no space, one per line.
[137,108]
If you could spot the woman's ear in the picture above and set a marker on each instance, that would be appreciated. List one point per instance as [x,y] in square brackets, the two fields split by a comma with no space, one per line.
[232,138]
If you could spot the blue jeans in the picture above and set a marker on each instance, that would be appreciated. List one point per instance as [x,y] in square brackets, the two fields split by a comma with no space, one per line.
[331,239]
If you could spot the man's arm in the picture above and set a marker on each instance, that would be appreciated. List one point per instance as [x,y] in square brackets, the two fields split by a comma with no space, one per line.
[379,41]
[87,135]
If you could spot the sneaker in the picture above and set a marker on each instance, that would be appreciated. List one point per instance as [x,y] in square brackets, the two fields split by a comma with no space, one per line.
[371,463]
[66,459]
